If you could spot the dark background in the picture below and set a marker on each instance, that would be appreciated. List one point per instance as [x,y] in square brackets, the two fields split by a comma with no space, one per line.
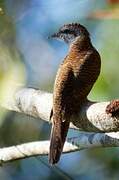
[28,58]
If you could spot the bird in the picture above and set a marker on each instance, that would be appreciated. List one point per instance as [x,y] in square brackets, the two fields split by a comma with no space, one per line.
[75,78]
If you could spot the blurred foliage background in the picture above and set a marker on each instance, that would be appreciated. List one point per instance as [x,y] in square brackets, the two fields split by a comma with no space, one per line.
[28,58]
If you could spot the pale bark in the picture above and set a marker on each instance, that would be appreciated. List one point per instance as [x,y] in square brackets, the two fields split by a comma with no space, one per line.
[83,141]
[91,117]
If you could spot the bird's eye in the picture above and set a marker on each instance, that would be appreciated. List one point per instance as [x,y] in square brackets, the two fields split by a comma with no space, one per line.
[66,31]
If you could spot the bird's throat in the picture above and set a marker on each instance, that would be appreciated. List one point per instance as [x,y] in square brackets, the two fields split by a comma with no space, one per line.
[81,44]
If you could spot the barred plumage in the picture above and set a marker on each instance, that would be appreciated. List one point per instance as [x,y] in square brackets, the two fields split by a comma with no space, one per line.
[75,78]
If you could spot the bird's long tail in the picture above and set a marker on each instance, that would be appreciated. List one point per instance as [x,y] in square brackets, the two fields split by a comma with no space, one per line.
[58,136]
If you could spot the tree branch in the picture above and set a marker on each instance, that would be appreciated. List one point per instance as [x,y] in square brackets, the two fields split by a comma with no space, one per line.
[91,117]
[29,149]
[83,141]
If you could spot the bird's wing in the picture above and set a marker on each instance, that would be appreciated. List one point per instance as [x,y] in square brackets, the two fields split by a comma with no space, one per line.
[61,111]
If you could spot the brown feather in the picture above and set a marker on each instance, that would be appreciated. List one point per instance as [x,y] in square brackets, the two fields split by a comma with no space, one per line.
[75,78]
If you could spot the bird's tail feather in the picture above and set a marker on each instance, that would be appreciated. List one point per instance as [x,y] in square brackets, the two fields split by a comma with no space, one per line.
[58,136]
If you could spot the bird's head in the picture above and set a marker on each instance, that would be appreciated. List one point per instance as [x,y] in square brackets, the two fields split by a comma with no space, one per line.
[69,32]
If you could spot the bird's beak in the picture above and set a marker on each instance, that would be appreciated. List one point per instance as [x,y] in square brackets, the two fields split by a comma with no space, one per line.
[55,35]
